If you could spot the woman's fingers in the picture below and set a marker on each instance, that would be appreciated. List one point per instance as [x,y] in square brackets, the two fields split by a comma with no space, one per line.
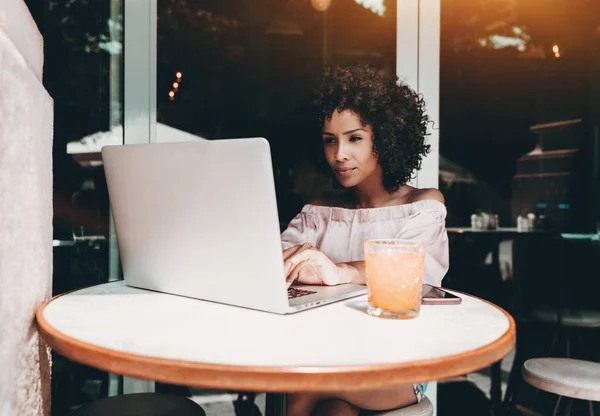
[305,267]
[289,256]
[317,269]
[288,252]
[305,272]
[295,272]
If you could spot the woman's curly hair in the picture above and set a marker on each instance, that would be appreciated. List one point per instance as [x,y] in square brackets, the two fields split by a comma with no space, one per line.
[394,111]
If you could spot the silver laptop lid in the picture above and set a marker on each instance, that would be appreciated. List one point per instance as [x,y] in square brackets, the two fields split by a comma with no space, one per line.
[199,219]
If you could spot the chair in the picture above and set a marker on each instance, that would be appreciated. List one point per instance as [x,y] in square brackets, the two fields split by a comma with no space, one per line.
[141,404]
[576,379]
[276,404]
[423,408]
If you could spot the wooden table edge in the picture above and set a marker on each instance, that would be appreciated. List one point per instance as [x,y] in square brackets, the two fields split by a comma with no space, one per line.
[275,379]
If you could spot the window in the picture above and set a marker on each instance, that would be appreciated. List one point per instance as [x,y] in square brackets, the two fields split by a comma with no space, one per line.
[83,74]
[519,110]
[246,69]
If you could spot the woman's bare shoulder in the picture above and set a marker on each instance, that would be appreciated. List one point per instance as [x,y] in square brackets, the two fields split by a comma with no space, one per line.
[427,194]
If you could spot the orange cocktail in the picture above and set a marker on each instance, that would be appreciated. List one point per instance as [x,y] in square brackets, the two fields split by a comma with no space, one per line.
[394,277]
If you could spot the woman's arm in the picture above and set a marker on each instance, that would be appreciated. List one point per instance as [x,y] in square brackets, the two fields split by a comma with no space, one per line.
[352,272]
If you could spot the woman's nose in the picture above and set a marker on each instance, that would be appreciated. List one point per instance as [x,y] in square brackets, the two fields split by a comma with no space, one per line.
[341,153]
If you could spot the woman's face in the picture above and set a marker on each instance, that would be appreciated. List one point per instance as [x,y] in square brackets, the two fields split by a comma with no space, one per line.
[348,147]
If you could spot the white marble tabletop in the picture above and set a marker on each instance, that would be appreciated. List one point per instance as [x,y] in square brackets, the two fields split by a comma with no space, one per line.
[176,339]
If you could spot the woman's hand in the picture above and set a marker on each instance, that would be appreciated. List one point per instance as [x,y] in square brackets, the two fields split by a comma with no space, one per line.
[308,265]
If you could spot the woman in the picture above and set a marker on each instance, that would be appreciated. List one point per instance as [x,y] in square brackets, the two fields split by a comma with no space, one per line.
[373,137]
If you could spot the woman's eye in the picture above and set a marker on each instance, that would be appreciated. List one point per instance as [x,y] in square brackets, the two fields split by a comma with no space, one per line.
[328,140]
[355,138]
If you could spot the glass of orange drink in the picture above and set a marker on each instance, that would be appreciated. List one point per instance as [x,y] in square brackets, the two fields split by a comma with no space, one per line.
[394,271]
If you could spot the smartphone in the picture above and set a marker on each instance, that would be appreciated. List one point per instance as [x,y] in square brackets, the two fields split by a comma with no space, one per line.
[433,295]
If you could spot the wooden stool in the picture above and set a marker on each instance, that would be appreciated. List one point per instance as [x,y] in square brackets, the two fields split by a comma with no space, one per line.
[423,408]
[576,379]
[564,320]
[141,404]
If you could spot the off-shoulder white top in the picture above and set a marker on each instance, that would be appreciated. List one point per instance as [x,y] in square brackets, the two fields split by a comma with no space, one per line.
[340,232]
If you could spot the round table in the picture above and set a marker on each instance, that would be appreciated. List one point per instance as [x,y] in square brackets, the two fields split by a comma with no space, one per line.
[337,347]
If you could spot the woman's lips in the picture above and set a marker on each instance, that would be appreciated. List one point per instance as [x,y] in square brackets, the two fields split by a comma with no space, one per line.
[345,172]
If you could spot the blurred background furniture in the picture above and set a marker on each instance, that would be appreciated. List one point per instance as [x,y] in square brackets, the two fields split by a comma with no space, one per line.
[477,268]
[557,311]
[565,377]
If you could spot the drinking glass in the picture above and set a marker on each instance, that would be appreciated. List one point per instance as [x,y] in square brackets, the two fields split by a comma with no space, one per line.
[394,270]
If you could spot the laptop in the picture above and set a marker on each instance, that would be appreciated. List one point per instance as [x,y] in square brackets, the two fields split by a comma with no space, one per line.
[199,219]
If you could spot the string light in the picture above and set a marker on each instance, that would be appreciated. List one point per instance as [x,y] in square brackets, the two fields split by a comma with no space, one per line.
[176,84]
[320,5]
[556,51]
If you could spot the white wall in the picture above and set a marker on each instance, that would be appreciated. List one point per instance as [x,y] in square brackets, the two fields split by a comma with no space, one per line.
[26,123]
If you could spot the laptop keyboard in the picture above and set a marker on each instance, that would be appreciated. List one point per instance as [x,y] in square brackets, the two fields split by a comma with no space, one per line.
[296,293]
